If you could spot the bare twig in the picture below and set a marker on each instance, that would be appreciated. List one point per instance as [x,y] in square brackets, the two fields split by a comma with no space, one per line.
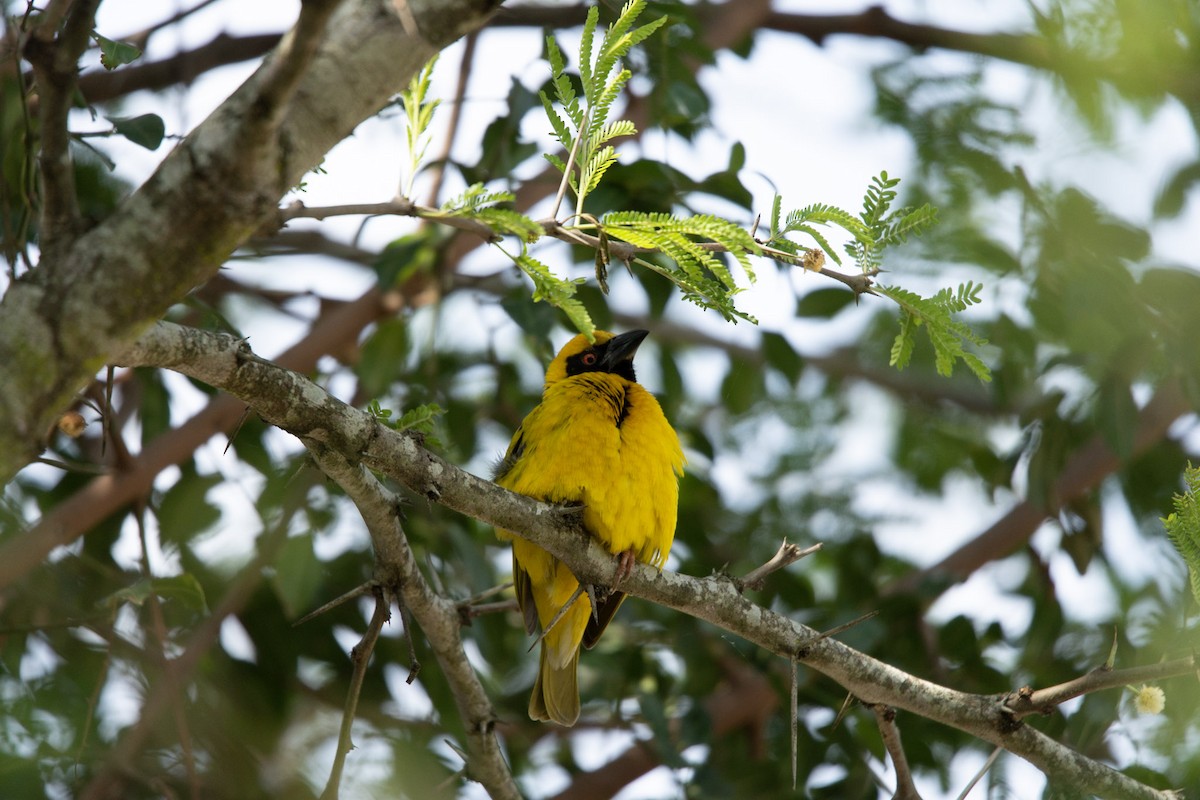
[469,611]
[886,717]
[787,554]
[566,177]
[140,38]
[161,638]
[414,663]
[353,594]
[1027,701]
[53,54]
[562,612]
[991,759]
[438,165]
[360,655]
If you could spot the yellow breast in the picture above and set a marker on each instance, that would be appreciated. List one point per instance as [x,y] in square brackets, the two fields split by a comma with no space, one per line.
[601,440]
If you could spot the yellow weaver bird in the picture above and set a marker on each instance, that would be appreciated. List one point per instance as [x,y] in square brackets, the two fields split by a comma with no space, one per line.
[598,439]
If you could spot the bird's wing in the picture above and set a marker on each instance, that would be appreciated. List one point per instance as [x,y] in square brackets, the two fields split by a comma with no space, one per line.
[606,609]
[524,589]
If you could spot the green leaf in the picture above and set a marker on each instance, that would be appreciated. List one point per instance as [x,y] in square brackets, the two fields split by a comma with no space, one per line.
[185,511]
[556,291]
[383,356]
[824,303]
[183,589]
[1183,526]
[298,575]
[780,355]
[420,418]
[113,53]
[146,130]
[1116,416]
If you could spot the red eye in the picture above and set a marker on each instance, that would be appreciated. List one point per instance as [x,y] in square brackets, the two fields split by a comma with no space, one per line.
[589,359]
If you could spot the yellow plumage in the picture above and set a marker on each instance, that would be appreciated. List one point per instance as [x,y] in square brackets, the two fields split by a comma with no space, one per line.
[598,439]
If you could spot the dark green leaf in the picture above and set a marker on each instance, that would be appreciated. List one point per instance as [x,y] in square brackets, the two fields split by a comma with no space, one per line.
[185,510]
[298,575]
[1117,416]
[146,130]
[383,356]
[780,355]
[824,303]
[113,53]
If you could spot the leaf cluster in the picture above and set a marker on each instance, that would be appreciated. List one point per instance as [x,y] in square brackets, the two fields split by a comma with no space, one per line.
[587,131]
[947,334]
[1183,526]
[418,112]
[695,245]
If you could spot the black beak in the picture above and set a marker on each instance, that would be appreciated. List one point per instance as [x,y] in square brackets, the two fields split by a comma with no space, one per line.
[621,349]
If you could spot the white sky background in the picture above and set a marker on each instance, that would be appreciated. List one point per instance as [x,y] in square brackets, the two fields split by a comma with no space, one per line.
[804,116]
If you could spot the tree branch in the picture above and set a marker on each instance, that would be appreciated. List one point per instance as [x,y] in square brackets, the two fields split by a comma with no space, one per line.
[295,404]
[207,197]
[437,616]
[100,86]
[53,56]
[1027,701]
[360,656]
[888,730]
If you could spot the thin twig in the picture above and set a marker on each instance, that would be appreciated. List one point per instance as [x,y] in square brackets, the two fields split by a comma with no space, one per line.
[886,717]
[360,655]
[788,553]
[794,717]
[1027,701]
[979,775]
[353,594]
[159,626]
[414,663]
[839,629]
[438,165]
[566,178]
[469,612]
[562,612]
[140,38]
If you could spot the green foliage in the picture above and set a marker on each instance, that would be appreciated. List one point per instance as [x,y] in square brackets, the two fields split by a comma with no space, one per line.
[420,419]
[694,244]
[114,54]
[146,130]
[557,292]
[1183,526]
[480,204]
[587,130]
[419,114]
[947,335]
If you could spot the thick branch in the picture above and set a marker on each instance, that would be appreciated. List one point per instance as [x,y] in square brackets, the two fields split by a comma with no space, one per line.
[437,616]
[295,404]
[207,197]
[53,55]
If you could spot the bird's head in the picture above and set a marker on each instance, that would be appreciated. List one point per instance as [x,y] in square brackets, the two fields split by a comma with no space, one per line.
[608,353]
